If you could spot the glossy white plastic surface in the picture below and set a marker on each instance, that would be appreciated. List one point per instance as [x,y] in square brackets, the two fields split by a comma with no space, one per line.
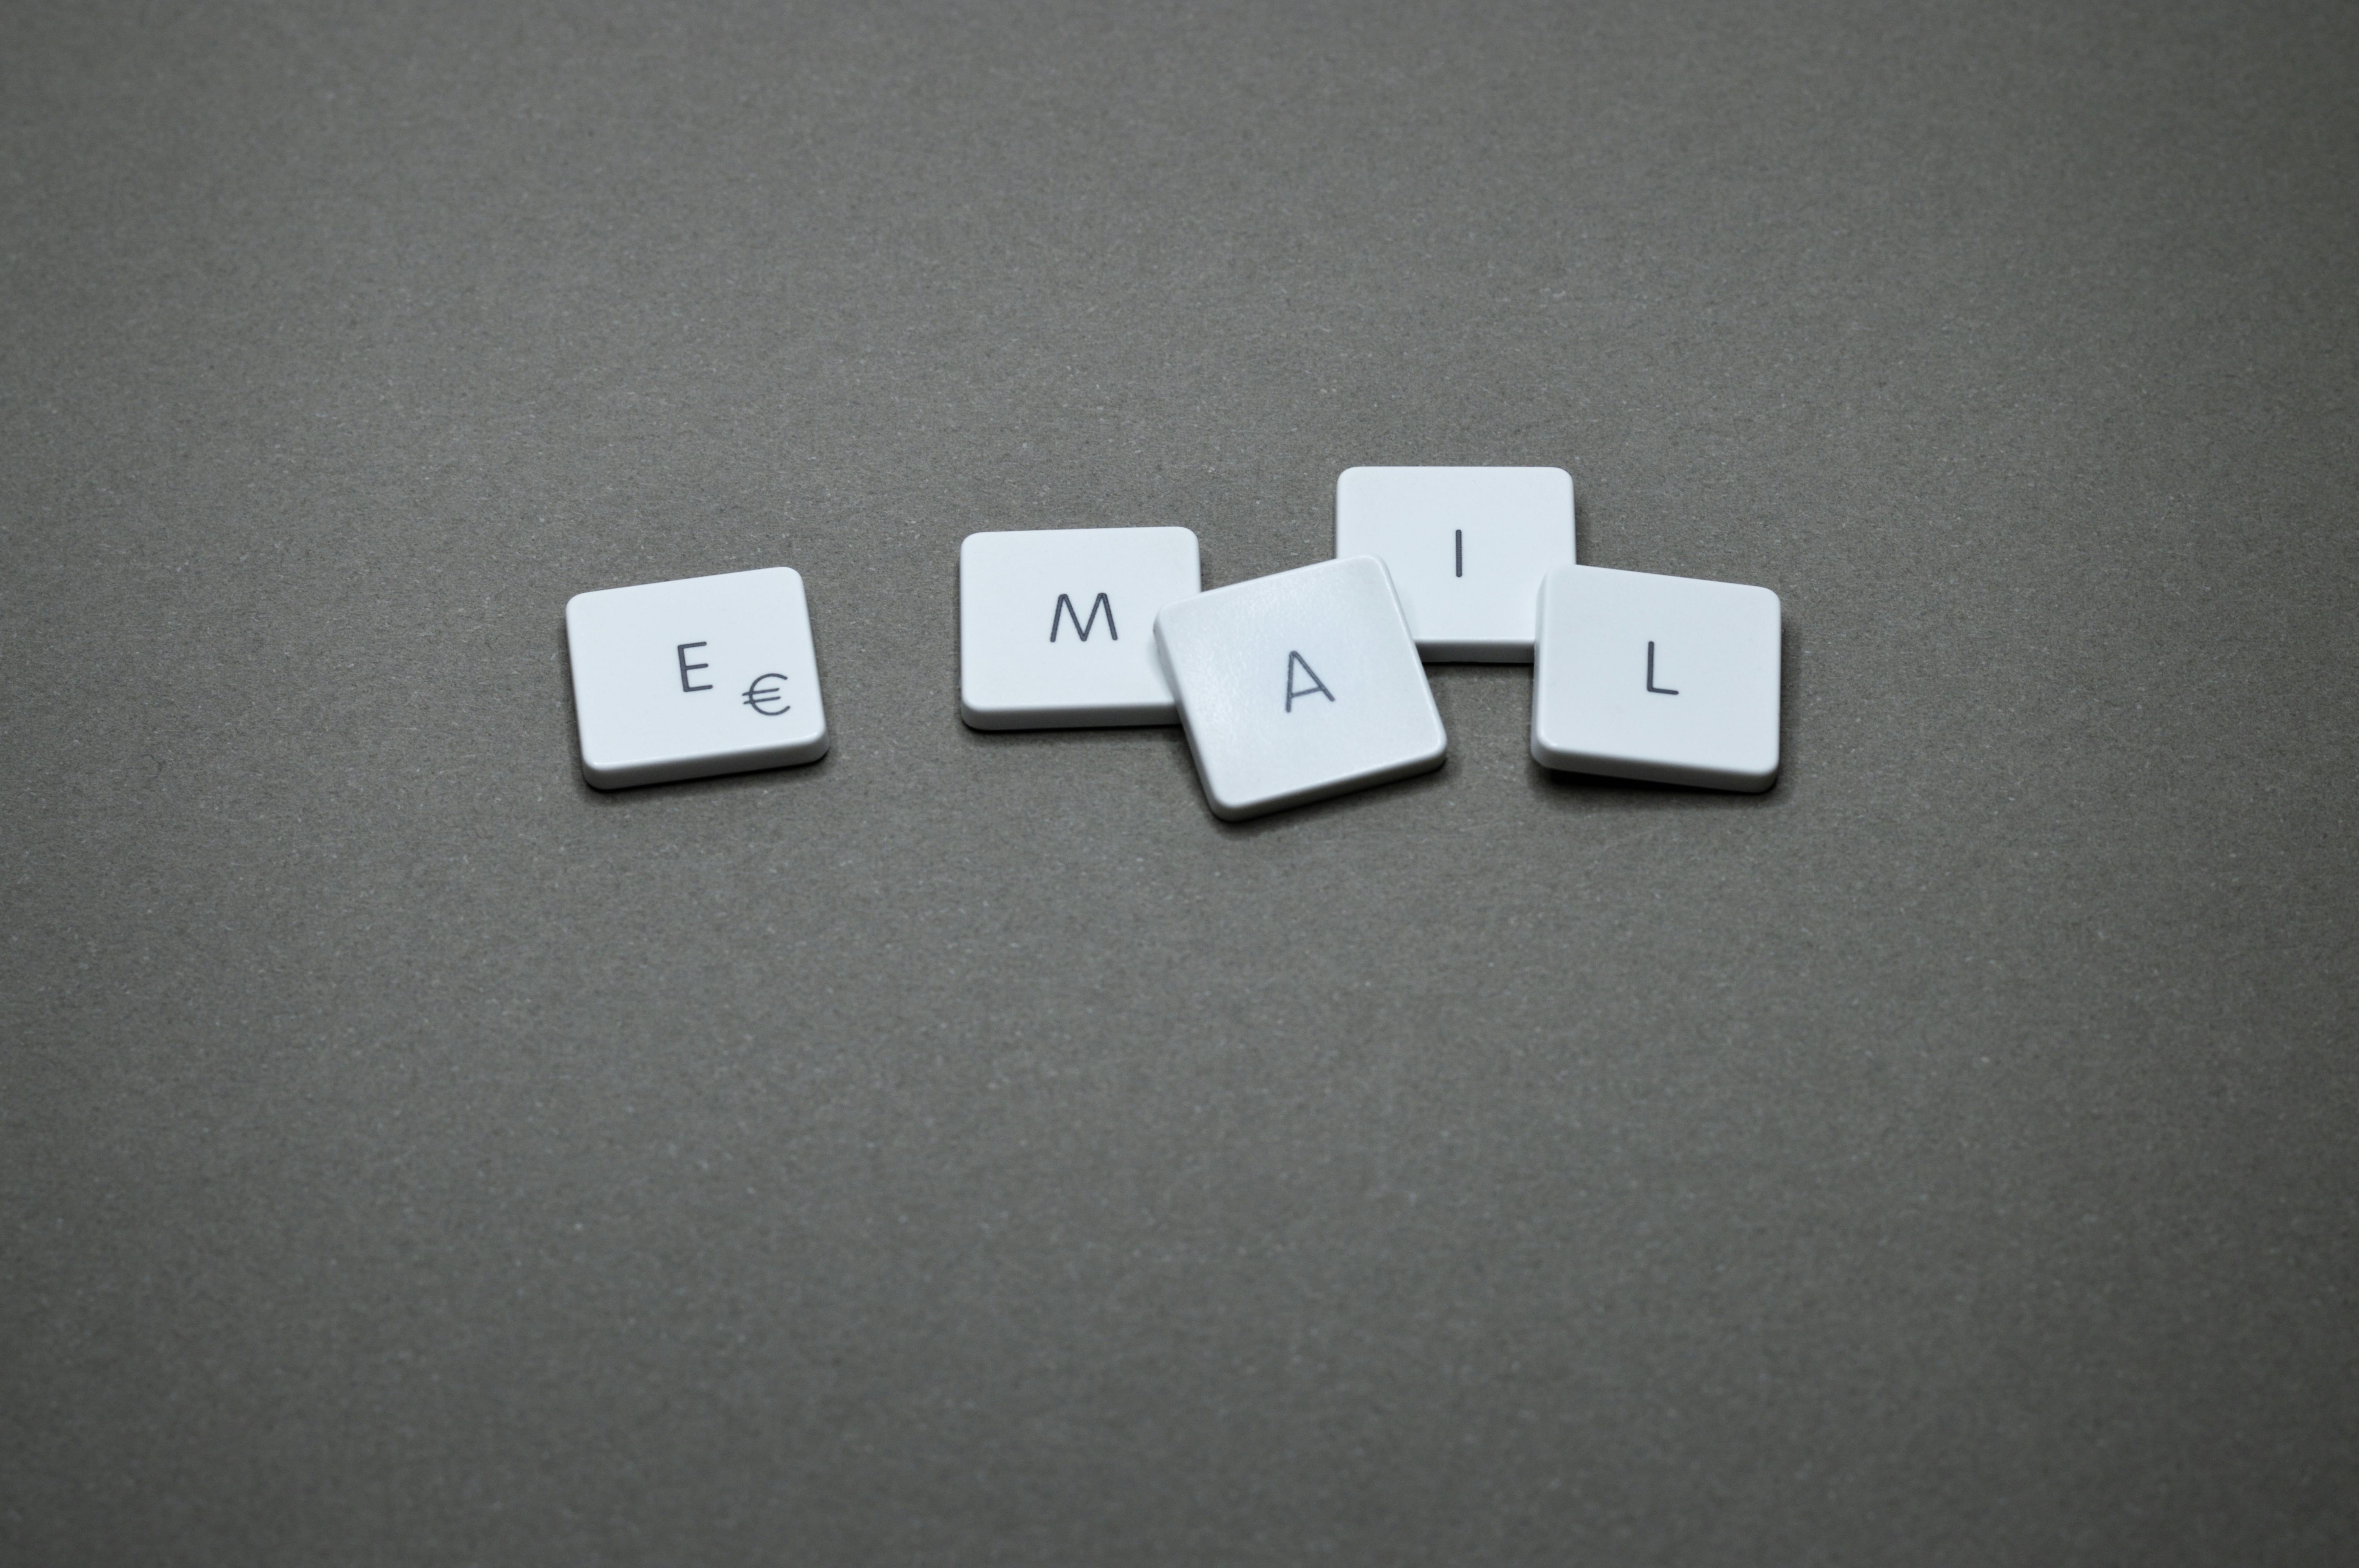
[709,675]
[1466,547]
[1669,678]
[1299,686]
[1057,626]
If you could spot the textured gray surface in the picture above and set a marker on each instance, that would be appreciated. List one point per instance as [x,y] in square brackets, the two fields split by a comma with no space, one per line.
[967,1150]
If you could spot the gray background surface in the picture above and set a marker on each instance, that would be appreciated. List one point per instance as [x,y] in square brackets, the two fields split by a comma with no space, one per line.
[967,1150]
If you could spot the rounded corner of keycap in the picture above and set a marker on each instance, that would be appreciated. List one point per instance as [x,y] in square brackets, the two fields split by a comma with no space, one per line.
[979,718]
[1554,758]
[1233,811]
[600,778]
[1159,627]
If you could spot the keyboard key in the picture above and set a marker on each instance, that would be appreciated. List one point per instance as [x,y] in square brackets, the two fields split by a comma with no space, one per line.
[709,675]
[1669,678]
[1057,626]
[1299,686]
[1466,547]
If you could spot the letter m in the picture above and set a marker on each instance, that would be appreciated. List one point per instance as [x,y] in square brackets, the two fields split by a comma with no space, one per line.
[1065,607]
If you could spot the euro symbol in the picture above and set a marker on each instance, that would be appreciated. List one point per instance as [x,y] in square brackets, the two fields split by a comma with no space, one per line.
[762,694]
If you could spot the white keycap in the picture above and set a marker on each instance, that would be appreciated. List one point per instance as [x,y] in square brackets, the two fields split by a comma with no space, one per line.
[709,675]
[1467,549]
[1669,678]
[1057,626]
[1299,686]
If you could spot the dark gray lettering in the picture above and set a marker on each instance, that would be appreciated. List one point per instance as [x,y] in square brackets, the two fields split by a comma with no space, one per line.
[1657,690]
[1065,607]
[1292,691]
[767,694]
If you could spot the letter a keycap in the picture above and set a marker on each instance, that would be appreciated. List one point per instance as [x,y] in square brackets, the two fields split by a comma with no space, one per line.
[1299,686]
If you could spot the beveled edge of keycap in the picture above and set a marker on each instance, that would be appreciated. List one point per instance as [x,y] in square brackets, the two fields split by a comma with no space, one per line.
[632,775]
[1730,782]
[1438,652]
[1412,766]
[1130,716]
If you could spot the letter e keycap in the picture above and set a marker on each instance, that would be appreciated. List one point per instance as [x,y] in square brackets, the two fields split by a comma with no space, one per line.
[708,675]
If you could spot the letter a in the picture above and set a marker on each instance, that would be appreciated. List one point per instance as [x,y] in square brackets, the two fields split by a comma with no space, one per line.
[1065,607]
[1316,684]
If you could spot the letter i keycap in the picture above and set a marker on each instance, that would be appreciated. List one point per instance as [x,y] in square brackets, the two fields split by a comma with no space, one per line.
[709,675]
[1466,547]
[1055,625]
[1669,678]
[1299,686]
